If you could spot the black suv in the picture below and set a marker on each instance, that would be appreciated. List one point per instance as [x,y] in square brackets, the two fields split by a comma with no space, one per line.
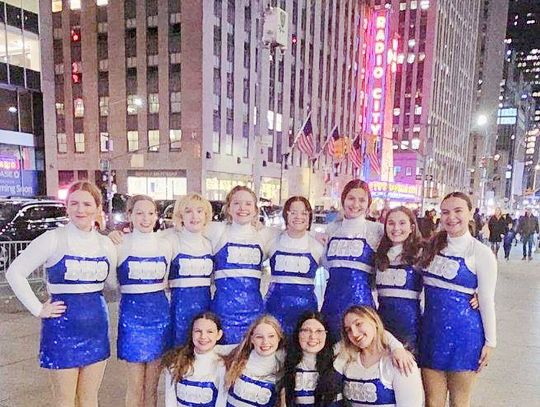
[26,219]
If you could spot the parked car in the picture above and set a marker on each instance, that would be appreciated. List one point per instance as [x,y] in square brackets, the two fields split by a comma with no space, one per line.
[26,219]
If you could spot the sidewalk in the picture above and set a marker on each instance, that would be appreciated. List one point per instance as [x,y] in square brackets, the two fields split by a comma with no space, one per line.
[511,378]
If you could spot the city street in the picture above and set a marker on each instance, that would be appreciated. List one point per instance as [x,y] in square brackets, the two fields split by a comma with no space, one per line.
[510,380]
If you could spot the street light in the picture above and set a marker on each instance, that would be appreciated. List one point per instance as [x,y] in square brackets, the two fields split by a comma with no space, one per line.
[481,120]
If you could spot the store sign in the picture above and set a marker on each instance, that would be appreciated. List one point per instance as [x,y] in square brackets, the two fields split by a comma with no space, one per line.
[394,190]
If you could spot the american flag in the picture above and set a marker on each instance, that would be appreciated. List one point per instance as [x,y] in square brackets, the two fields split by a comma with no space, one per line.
[331,141]
[304,140]
[355,154]
[372,154]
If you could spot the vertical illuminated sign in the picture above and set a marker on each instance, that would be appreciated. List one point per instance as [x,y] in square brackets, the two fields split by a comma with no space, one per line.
[379,66]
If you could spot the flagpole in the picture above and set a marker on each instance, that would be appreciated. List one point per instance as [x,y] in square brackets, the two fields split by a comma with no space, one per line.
[310,169]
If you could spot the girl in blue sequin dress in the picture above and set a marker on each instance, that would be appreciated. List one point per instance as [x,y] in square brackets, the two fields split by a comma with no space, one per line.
[294,259]
[74,342]
[456,341]
[195,372]
[144,323]
[254,367]
[398,282]
[368,375]
[192,265]
[349,256]
[239,250]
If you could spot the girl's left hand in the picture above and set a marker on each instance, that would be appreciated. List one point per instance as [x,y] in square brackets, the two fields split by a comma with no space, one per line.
[404,361]
[484,357]
[474,301]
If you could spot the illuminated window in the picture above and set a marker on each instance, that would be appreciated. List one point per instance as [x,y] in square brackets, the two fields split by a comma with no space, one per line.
[56,5]
[397,111]
[414,4]
[175,137]
[133,104]
[61,140]
[424,4]
[59,69]
[102,2]
[79,142]
[104,106]
[153,103]
[78,107]
[153,140]
[175,102]
[104,141]
[133,140]
[59,109]
[75,4]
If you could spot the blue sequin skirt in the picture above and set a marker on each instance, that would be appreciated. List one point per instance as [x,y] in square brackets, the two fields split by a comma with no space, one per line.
[401,316]
[80,337]
[345,288]
[287,302]
[186,303]
[452,334]
[238,303]
[144,327]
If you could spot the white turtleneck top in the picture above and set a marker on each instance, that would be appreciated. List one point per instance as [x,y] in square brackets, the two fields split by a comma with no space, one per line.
[184,241]
[394,255]
[207,368]
[481,261]
[143,245]
[304,244]
[46,250]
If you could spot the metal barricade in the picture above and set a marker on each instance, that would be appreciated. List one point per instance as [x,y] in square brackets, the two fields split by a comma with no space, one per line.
[8,252]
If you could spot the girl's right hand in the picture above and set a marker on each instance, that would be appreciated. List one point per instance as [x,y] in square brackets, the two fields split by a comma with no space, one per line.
[116,236]
[52,309]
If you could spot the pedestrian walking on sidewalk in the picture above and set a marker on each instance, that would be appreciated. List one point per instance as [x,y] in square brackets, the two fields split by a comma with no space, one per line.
[527,227]
[509,238]
[497,229]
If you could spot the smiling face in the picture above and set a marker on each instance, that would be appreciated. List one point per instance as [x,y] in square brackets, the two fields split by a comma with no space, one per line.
[82,209]
[242,208]
[360,331]
[298,217]
[455,216]
[355,203]
[265,339]
[398,227]
[143,216]
[205,335]
[312,336]
[194,217]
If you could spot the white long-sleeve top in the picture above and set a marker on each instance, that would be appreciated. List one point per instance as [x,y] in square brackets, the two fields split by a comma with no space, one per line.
[357,227]
[482,262]
[143,245]
[408,389]
[221,233]
[45,250]
[207,367]
[186,242]
[304,244]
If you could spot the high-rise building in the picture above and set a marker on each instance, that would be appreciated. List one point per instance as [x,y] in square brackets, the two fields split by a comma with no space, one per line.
[434,90]
[184,96]
[489,73]
[21,104]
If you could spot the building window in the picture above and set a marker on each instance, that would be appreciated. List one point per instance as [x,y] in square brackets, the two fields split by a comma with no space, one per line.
[175,137]
[60,109]
[228,144]
[153,103]
[59,69]
[174,18]
[131,23]
[133,103]
[175,58]
[133,140]
[103,27]
[78,107]
[153,140]
[153,60]
[56,6]
[408,171]
[215,142]
[102,2]
[57,33]
[131,62]
[75,4]
[152,21]
[79,142]
[104,65]
[104,106]
[61,139]
[175,102]
[104,141]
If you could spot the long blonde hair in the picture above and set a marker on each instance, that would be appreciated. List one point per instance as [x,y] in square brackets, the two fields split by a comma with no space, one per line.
[371,315]
[229,198]
[236,361]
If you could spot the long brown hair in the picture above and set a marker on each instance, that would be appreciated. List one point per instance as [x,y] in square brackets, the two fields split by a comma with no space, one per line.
[411,245]
[440,240]
[180,361]
[236,361]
